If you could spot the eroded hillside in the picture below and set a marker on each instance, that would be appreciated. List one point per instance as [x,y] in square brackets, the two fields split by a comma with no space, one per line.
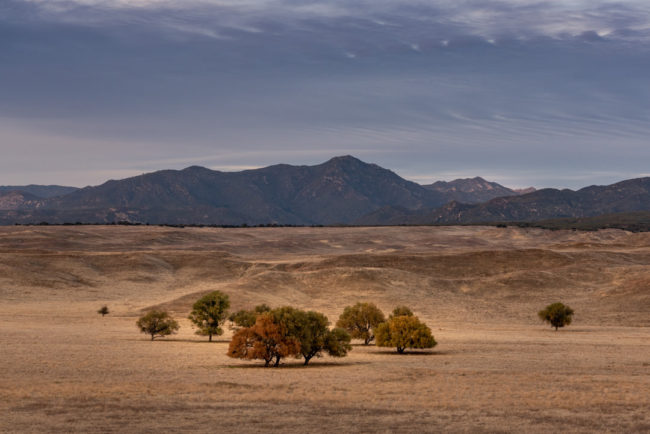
[451,274]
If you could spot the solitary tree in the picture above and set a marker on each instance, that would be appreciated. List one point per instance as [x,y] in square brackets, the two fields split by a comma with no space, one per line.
[403,332]
[103,310]
[360,321]
[246,318]
[265,340]
[157,324]
[209,312]
[556,314]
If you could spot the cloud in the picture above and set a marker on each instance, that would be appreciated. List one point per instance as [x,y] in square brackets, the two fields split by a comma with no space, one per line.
[556,89]
[490,19]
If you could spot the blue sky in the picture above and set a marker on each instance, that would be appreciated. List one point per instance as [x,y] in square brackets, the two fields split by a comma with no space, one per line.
[543,93]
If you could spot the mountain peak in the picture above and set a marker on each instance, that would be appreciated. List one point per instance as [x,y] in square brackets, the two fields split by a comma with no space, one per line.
[470,190]
[195,168]
[343,159]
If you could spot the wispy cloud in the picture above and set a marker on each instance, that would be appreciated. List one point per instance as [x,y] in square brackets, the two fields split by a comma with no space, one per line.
[552,90]
[490,19]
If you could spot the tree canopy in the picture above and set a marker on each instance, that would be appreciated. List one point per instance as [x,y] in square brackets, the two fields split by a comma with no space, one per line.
[246,318]
[209,312]
[312,331]
[265,340]
[556,314]
[401,311]
[360,321]
[157,324]
[287,331]
[405,331]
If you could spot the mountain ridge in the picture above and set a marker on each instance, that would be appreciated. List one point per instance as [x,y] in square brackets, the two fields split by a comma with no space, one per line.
[343,190]
[622,197]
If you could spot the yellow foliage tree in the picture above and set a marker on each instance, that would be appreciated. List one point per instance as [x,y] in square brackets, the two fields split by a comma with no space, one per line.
[405,331]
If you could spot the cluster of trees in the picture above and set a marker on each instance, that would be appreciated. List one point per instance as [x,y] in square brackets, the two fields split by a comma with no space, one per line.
[272,334]
[402,329]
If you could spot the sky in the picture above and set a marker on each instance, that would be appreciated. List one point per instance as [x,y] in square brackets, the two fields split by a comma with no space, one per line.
[542,93]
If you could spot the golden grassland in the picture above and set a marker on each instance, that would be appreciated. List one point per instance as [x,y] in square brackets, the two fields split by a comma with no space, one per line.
[496,368]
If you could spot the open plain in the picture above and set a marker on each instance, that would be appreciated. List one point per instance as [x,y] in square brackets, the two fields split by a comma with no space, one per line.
[496,368]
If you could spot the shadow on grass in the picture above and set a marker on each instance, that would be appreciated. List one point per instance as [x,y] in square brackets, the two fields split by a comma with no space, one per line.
[569,330]
[190,341]
[298,365]
[408,353]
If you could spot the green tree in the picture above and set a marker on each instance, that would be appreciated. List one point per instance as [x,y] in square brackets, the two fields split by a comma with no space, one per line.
[360,321]
[403,332]
[209,312]
[157,324]
[246,318]
[401,311]
[556,314]
[103,310]
[266,340]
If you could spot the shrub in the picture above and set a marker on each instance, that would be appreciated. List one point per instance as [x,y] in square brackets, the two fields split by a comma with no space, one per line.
[556,314]
[209,312]
[103,310]
[157,324]
[360,321]
[403,332]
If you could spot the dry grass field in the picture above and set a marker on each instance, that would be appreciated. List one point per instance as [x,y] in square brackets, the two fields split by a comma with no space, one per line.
[496,367]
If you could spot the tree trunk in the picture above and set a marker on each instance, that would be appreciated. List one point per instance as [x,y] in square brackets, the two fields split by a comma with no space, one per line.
[400,350]
[277,361]
[210,338]
[152,336]
[266,363]
[307,359]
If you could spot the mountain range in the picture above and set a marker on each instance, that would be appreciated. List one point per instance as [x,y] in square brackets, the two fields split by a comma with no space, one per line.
[343,190]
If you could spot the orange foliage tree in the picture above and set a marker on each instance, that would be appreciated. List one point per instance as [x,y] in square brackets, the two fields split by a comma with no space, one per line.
[265,340]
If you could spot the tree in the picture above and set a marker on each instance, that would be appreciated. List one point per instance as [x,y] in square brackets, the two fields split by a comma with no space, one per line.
[556,314]
[246,318]
[360,321]
[103,310]
[401,311]
[265,340]
[209,312]
[312,331]
[157,324]
[403,332]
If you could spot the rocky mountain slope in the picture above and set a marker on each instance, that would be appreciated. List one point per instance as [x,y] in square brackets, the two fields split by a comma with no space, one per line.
[473,190]
[623,197]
